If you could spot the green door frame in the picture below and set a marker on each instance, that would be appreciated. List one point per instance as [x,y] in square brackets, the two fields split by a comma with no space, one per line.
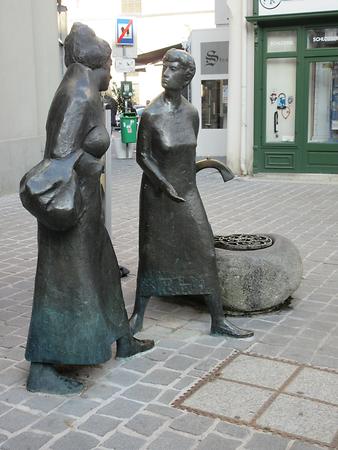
[261,147]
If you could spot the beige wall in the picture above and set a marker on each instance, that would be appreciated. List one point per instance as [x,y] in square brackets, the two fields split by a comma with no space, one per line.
[30,73]
[241,88]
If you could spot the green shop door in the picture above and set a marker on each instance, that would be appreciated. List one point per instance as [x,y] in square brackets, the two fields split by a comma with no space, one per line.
[296,102]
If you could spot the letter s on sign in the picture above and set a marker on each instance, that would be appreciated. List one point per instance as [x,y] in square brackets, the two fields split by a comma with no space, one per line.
[211,58]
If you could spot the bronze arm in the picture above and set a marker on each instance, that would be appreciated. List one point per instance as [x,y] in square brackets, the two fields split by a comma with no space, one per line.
[209,163]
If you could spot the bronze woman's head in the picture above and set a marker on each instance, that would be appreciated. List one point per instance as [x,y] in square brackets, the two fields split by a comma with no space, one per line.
[83,46]
[177,60]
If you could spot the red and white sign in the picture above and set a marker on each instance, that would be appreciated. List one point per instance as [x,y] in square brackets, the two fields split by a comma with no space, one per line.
[124,32]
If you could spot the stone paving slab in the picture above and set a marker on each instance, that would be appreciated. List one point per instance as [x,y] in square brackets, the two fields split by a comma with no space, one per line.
[302,417]
[227,399]
[110,412]
[316,384]
[288,398]
[258,371]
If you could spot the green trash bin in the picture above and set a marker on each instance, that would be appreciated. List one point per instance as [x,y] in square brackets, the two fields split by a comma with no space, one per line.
[128,123]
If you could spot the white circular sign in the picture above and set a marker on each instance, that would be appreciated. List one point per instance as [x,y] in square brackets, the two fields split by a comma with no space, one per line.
[270,4]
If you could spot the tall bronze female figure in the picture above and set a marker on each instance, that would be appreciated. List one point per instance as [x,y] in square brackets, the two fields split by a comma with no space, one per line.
[78,308]
[176,248]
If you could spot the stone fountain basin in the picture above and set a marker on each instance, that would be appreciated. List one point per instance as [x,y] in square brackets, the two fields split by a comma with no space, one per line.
[254,281]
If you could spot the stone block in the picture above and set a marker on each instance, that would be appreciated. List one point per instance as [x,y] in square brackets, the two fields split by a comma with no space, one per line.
[161,376]
[100,425]
[123,377]
[142,392]
[265,441]
[235,431]
[77,407]
[44,403]
[26,440]
[121,441]
[145,424]
[196,351]
[164,411]
[168,396]
[54,423]
[192,424]
[171,441]
[12,376]
[140,364]
[159,354]
[258,280]
[16,419]
[180,362]
[120,408]
[101,391]
[216,442]
[75,440]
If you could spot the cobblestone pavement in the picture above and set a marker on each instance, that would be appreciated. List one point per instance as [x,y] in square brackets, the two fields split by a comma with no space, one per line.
[127,404]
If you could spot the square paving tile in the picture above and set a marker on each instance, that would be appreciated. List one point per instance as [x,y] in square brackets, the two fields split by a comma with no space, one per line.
[229,399]
[302,417]
[316,384]
[285,397]
[258,371]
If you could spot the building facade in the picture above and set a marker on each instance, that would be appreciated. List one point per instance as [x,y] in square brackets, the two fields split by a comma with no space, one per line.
[266,85]
[296,86]
[282,79]
[30,73]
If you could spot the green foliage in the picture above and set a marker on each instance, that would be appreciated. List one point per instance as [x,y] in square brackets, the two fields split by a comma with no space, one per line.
[116,93]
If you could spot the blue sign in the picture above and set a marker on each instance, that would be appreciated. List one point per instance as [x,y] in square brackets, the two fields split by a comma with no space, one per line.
[124,32]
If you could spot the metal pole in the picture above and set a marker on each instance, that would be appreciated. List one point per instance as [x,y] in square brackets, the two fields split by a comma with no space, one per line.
[108,198]
[126,101]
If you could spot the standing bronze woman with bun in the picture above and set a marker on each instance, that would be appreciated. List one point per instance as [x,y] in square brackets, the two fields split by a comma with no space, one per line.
[78,307]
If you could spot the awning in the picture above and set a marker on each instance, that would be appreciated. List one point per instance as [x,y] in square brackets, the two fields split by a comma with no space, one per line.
[154,56]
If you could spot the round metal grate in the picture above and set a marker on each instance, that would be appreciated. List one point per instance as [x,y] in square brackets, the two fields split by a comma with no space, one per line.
[243,242]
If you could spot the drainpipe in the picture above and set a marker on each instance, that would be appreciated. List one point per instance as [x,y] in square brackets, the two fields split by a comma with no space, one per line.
[243,149]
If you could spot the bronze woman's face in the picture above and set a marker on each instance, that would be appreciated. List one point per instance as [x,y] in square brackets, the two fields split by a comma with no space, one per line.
[105,75]
[174,75]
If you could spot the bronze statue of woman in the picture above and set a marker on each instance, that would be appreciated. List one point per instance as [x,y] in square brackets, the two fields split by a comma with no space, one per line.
[176,247]
[78,307]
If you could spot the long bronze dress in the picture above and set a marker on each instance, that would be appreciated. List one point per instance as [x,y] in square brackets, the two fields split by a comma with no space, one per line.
[78,308]
[176,249]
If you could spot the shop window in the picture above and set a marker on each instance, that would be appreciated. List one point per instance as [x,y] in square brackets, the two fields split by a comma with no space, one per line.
[322,38]
[281,41]
[214,103]
[131,6]
[323,102]
[280,100]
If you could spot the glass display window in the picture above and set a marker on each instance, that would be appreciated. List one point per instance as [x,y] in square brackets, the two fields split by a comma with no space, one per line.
[322,38]
[214,95]
[323,102]
[280,100]
[281,41]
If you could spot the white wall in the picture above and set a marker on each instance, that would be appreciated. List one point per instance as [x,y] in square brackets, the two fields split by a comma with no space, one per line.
[29,76]
[211,142]
[241,88]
